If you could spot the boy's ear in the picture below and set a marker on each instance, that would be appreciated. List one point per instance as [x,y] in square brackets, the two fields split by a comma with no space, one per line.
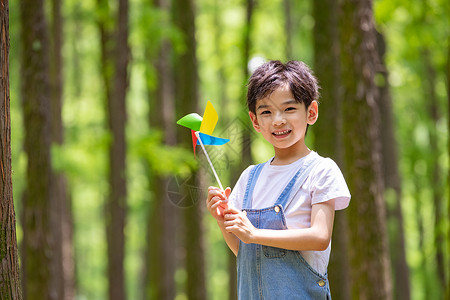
[254,121]
[312,113]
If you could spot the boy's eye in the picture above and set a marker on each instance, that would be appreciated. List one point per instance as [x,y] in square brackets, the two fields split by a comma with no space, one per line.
[290,108]
[265,112]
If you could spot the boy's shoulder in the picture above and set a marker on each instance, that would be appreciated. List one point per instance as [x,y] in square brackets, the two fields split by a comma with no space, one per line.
[320,166]
[324,165]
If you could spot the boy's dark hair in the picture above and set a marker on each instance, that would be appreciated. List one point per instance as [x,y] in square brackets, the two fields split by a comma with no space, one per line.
[273,74]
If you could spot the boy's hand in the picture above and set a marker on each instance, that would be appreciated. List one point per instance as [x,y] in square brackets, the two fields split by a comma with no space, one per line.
[217,202]
[236,222]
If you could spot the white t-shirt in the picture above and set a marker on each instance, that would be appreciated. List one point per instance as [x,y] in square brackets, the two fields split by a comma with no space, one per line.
[325,182]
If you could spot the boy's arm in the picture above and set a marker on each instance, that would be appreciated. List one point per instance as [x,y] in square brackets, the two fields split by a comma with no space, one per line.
[316,238]
[231,240]
[216,203]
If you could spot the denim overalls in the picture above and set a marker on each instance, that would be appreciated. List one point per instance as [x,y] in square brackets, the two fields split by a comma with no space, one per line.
[272,273]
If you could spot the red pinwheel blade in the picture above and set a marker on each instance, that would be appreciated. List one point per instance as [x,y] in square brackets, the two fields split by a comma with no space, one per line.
[194,140]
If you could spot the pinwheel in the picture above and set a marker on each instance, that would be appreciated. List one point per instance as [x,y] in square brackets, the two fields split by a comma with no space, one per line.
[201,131]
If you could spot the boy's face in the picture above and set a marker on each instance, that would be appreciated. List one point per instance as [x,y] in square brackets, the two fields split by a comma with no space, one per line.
[281,119]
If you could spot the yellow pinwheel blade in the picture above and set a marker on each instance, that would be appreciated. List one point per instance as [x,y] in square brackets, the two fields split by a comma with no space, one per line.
[210,118]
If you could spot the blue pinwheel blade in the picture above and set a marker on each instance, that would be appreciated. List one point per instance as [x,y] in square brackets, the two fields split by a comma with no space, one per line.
[212,140]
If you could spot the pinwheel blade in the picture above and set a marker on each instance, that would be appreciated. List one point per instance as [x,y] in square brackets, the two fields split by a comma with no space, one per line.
[192,121]
[210,118]
[212,140]
[194,140]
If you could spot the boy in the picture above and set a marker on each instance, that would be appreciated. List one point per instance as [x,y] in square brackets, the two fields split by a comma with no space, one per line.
[279,218]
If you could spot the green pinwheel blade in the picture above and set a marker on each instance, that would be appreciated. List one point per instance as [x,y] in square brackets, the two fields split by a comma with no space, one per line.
[192,121]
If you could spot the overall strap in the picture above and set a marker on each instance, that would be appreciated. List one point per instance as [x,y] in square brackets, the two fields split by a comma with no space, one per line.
[297,181]
[253,177]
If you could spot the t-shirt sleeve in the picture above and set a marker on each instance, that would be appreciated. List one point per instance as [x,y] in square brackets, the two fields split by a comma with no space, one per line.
[236,197]
[329,183]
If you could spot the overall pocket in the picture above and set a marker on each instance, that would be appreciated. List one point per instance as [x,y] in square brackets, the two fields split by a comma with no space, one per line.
[272,252]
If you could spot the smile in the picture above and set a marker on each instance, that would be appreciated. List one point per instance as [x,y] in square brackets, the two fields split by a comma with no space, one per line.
[281,133]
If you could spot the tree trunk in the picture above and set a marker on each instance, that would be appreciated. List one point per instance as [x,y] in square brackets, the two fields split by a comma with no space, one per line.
[10,287]
[57,138]
[245,158]
[75,63]
[114,68]
[225,119]
[38,241]
[392,180]
[116,203]
[448,153]
[370,266]
[187,101]
[328,130]
[436,177]
[61,208]
[106,45]
[246,135]
[418,208]
[287,6]
[162,221]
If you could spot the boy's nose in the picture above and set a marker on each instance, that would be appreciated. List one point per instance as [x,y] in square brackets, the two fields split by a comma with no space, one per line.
[278,120]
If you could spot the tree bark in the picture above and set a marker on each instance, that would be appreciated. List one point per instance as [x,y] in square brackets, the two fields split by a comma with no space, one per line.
[61,209]
[163,218]
[225,119]
[187,101]
[75,63]
[38,247]
[328,129]
[10,286]
[418,208]
[116,203]
[287,7]
[115,55]
[106,45]
[370,265]
[436,175]
[246,135]
[392,179]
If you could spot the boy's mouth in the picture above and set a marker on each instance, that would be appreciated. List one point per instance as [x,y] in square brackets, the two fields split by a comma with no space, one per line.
[281,133]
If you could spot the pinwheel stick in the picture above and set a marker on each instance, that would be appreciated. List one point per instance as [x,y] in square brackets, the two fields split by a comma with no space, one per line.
[197,134]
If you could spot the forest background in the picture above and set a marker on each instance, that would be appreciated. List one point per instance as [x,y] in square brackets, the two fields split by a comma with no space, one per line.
[108,196]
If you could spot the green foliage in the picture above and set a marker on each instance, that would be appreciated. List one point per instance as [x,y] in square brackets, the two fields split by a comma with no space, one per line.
[164,160]
[76,162]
